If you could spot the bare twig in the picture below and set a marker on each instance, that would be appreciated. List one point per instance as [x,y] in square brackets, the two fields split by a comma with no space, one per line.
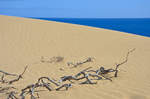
[95,75]
[88,81]
[8,73]
[105,77]
[11,95]
[86,76]
[65,85]
[29,90]
[79,63]
[69,78]
[81,72]
[19,77]
[5,89]
[52,81]
[126,59]
[2,79]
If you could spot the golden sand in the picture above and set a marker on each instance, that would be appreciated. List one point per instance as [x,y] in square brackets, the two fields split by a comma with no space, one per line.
[23,41]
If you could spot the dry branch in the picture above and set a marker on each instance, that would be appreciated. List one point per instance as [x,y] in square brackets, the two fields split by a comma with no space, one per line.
[45,82]
[11,95]
[8,73]
[5,89]
[86,76]
[52,81]
[126,59]
[79,63]
[65,85]
[65,78]
[82,72]
[88,81]
[19,76]
[14,80]
[54,59]
[95,75]
[30,89]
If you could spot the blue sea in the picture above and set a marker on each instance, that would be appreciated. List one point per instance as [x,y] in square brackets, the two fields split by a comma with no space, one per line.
[138,26]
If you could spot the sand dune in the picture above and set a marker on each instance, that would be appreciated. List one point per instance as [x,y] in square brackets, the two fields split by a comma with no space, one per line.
[23,41]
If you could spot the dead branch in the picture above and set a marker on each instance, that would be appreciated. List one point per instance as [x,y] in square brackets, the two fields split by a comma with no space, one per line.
[54,59]
[30,86]
[14,80]
[82,72]
[45,82]
[88,81]
[19,77]
[126,59]
[52,81]
[11,95]
[101,72]
[95,75]
[8,73]
[85,76]
[5,89]
[69,78]
[79,63]
[46,85]
[29,90]
[105,77]
[65,85]
[2,79]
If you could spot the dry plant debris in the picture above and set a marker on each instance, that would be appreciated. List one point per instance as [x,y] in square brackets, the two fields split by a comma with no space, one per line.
[54,59]
[89,59]
[17,77]
[31,90]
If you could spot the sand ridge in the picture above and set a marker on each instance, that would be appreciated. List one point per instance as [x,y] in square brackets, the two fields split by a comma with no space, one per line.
[23,41]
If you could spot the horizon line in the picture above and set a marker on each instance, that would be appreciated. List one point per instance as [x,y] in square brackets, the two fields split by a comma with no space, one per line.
[88,18]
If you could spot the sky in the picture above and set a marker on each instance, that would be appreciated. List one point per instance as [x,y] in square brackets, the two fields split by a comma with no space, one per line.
[76,8]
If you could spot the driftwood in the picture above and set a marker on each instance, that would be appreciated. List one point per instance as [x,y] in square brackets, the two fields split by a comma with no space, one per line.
[79,63]
[5,73]
[86,74]
[42,80]
[11,95]
[6,89]
[95,75]
[65,85]
[69,78]
[81,72]
[102,71]
[30,89]
[88,81]
[18,77]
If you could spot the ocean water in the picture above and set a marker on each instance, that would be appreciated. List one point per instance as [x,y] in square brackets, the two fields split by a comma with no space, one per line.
[138,26]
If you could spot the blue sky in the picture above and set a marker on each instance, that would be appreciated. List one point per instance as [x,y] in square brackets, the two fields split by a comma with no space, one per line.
[76,8]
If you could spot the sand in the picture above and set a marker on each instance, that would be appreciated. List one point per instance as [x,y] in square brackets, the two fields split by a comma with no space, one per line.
[23,41]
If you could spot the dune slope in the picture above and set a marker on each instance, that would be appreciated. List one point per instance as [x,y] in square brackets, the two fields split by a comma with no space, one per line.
[23,41]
